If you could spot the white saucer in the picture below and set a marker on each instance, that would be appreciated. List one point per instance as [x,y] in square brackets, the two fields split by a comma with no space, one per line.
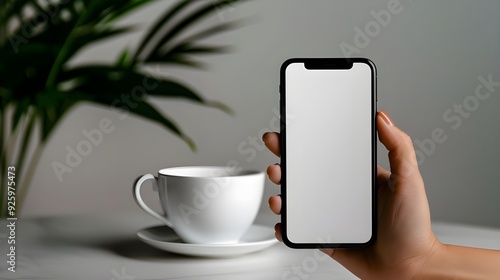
[257,238]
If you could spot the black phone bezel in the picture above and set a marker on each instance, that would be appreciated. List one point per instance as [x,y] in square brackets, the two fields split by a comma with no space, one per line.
[327,63]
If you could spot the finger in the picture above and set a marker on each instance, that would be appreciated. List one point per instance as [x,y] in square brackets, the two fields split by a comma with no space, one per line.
[272,142]
[277,232]
[329,252]
[382,174]
[383,179]
[402,157]
[275,204]
[274,173]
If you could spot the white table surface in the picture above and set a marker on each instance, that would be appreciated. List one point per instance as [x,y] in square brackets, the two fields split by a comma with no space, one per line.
[105,247]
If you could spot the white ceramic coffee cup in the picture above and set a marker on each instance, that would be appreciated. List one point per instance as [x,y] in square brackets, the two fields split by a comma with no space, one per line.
[203,204]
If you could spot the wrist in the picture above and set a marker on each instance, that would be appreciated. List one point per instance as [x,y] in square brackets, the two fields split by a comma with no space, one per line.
[431,262]
[458,262]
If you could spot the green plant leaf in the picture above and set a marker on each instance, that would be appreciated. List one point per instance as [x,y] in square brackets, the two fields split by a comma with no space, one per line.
[28,131]
[180,54]
[24,72]
[221,106]
[226,26]
[123,59]
[190,48]
[143,109]
[146,110]
[89,35]
[187,21]
[179,60]
[40,85]
[20,109]
[100,12]
[52,18]
[51,105]
[11,8]
[119,12]
[116,81]
[164,19]
[91,14]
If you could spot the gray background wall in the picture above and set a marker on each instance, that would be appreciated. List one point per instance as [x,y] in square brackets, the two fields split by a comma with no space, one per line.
[429,57]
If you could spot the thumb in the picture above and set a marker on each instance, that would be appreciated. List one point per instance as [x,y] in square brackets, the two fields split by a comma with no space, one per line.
[402,159]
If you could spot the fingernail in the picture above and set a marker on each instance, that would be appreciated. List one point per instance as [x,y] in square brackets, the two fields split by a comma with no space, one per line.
[386,117]
[264,137]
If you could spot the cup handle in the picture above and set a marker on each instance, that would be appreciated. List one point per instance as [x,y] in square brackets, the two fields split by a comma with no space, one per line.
[142,204]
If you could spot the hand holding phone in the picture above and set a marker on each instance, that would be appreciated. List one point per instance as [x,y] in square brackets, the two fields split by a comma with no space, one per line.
[405,239]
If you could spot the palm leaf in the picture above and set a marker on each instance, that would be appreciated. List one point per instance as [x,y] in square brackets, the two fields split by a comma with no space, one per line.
[180,51]
[54,29]
[40,86]
[186,22]
[51,105]
[24,73]
[104,12]
[226,26]
[119,12]
[123,59]
[146,110]
[11,8]
[116,81]
[20,109]
[143,109]
[91,36]
[180,60]
[110,85]
[164,19]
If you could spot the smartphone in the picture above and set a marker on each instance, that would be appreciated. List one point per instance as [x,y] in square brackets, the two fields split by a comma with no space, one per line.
[328,152]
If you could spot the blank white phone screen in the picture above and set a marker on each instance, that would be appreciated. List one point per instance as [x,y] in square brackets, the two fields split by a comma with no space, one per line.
[329,154]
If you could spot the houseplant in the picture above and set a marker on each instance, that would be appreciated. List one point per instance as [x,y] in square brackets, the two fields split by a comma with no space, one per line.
[38,86]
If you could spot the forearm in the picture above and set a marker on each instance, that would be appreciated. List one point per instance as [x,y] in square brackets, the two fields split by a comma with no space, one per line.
[457,262]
